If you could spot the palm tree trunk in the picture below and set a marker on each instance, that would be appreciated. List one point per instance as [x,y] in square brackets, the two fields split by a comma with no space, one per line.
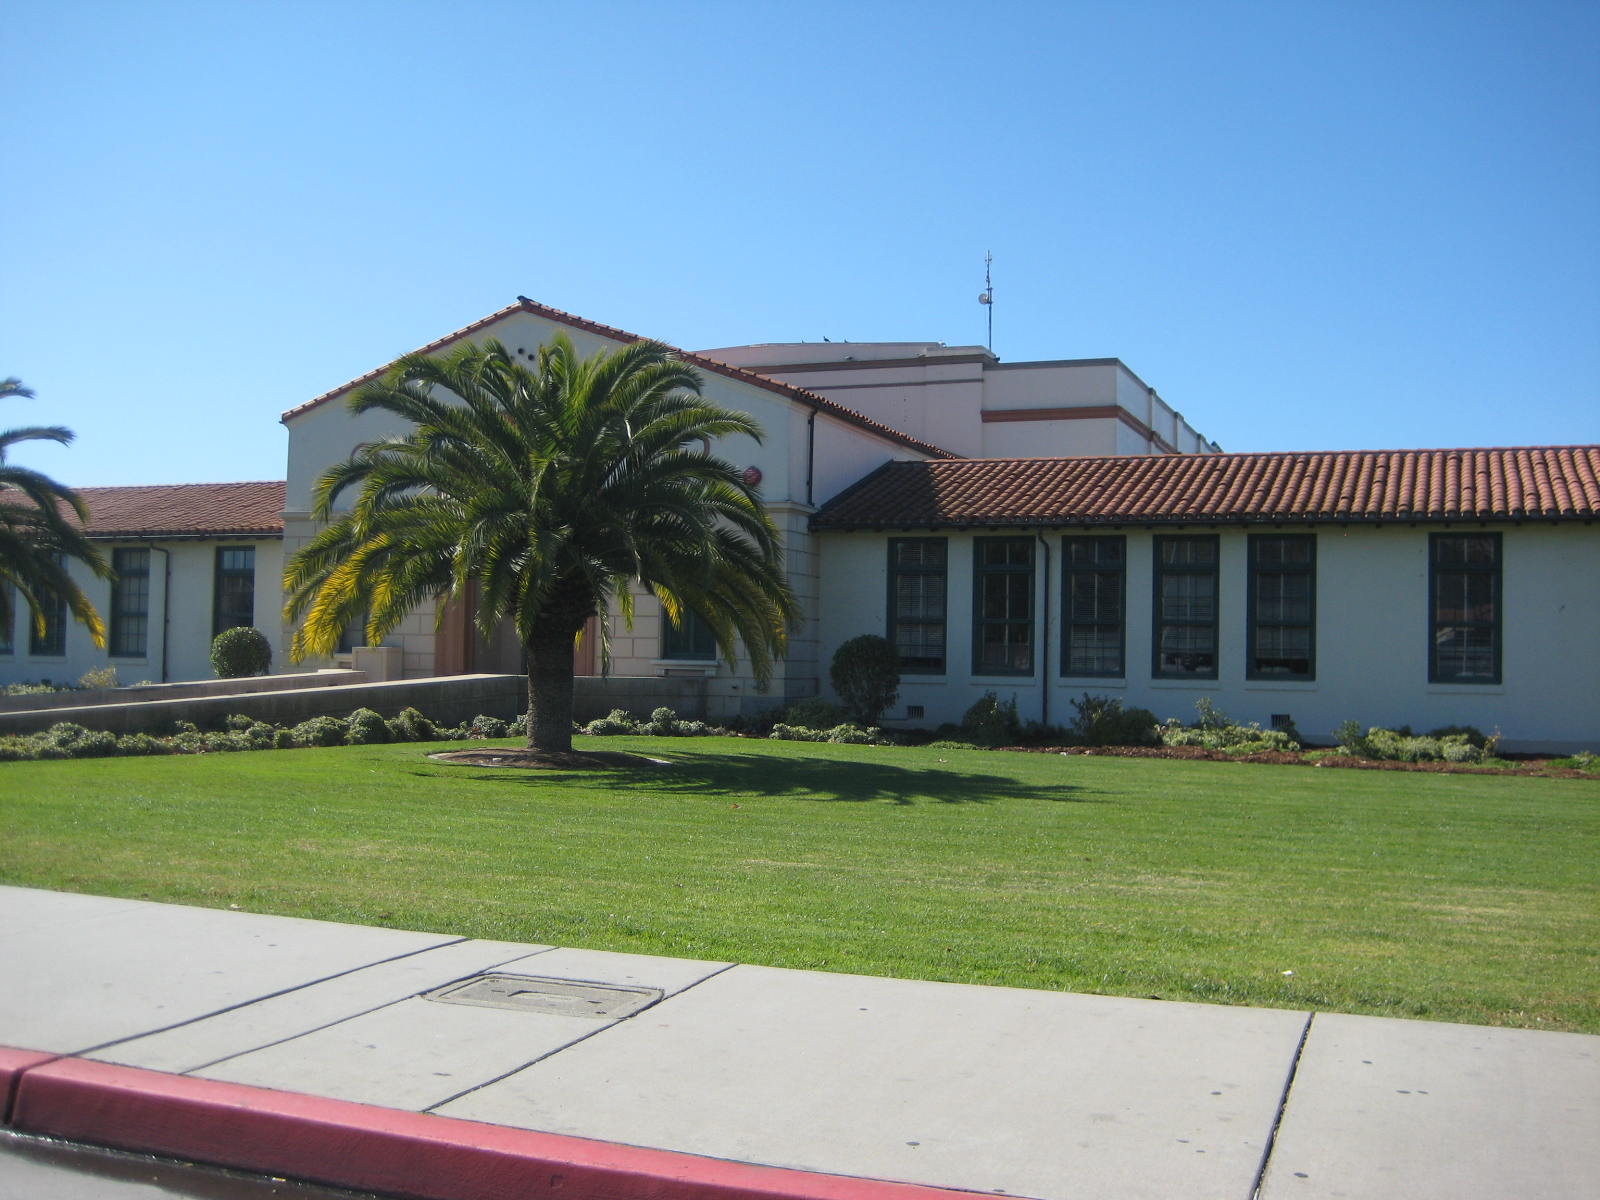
[550,688]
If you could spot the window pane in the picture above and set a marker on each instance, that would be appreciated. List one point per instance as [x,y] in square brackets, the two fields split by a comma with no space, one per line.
[130,602]
[235,588]
[1189,597]
[1003,600]
[1094,650]
[1188,552]
[917,587]
[692,639]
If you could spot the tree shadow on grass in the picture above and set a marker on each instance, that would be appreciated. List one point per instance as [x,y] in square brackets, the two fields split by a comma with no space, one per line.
[755,775]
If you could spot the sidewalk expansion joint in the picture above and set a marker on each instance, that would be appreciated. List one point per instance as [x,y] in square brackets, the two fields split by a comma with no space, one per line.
[1283,1105]
[228,1008]
[433,1108]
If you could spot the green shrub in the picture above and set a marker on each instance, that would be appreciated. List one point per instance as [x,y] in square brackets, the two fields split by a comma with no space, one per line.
[853,735]
[618,721]
[866,675]
[1471,732]
[412,726]
[1215,730]
[483,726]
[319,731]
[1104,721]
[241,651]
[260,735]
[1453,744]
[365,727]
[991,721]
[68,740]
[795,733]
[41,688]
[98,677]
[662,723]
[17,749]
[131,744]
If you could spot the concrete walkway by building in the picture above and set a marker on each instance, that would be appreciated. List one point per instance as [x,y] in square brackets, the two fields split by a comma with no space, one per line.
[425,1065]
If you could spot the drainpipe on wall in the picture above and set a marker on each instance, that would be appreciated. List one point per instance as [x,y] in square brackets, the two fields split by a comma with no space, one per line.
[1044,639]
[811,451]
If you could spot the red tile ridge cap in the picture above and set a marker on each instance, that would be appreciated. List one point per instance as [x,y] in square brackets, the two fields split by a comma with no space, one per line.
[534,308]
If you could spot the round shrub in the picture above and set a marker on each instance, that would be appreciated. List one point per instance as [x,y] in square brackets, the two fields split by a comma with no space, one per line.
[866,675]
[617,721]
[319,731]
[484,726]
[412,726]
[240,651]
[364,727]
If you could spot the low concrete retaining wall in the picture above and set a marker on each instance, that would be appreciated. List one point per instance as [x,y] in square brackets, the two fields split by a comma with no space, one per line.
[448,699]
[596,695]
[89,697]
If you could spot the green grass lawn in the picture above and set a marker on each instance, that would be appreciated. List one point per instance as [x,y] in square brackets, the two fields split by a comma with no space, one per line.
[1451,897]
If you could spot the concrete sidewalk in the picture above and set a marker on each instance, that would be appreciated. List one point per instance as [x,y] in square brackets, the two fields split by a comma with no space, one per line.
[379,1059]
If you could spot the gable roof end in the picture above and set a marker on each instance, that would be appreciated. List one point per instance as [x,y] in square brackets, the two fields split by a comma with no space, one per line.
[532,307]
[1541,482]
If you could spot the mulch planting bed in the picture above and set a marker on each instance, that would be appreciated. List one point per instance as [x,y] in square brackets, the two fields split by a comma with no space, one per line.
[1520,766]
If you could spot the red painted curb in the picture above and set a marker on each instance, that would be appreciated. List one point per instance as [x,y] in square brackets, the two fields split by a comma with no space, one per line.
[417,1155]
[12,1065]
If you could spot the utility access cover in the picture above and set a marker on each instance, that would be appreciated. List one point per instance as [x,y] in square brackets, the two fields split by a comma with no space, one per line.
[554,997]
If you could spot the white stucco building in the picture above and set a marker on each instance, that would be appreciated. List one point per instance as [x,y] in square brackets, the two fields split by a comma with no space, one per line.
[191,559]
[1040,530]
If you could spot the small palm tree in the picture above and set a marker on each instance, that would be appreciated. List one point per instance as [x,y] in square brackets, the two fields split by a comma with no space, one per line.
[544,492]
[37,537]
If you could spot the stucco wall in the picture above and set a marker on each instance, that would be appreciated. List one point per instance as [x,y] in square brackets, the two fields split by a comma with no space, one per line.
[1371,631]
[802,462]
[182,575]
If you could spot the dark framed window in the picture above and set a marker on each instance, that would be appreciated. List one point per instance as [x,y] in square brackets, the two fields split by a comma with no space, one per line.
[1185,634]
[1281,640]
[1002,609]
[51,642]
[692,639]
[235,595]
[1464,609]
[918,580]
[353,634]
[1094,578]
[130,603]
[8,620]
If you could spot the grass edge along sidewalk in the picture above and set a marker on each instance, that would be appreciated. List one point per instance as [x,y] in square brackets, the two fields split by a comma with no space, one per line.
[1451,897]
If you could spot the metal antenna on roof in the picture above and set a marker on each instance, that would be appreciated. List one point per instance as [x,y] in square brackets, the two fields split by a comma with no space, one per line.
[986,297]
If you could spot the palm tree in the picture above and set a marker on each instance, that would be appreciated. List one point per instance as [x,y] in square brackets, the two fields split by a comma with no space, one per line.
[37,536]
[544,492]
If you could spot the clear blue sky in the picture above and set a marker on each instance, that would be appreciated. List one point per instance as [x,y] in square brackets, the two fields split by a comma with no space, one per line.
[1308,225]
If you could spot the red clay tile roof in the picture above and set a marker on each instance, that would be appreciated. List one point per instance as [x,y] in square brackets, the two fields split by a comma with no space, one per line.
[185,509]
[1545,483]
[811,399]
